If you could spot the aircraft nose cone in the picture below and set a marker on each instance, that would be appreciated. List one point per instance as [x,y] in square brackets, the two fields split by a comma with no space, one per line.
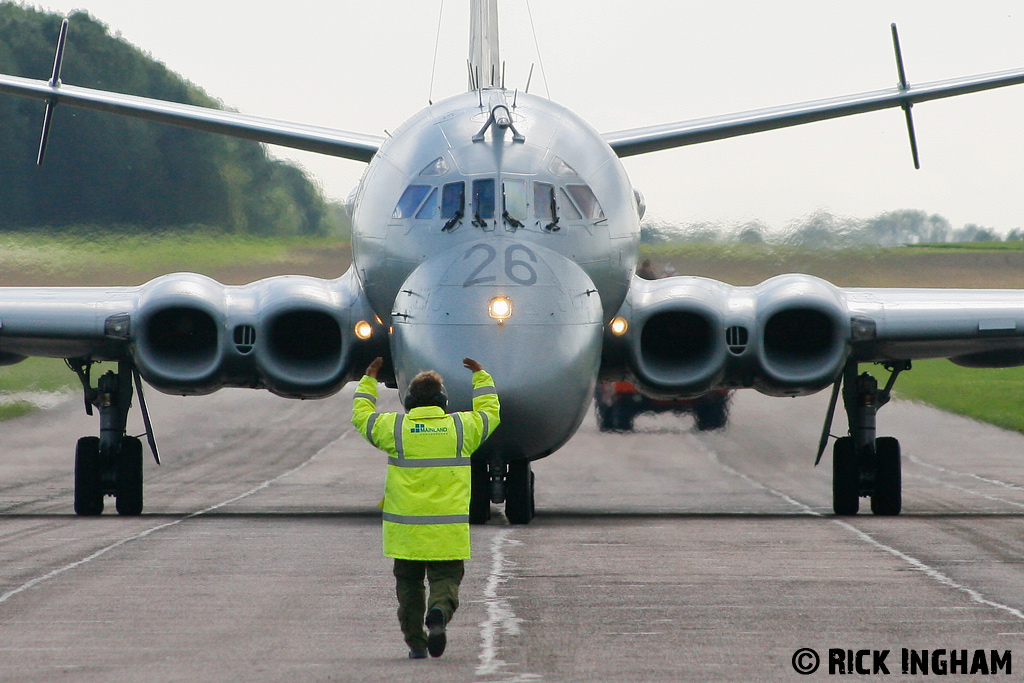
[543,355]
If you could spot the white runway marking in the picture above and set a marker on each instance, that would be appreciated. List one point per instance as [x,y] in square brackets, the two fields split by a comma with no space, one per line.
[995,482]
[915,563]
[501,619]
[143,534]
[961,489]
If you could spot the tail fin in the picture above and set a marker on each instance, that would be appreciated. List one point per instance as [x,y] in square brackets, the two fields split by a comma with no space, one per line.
[484,63]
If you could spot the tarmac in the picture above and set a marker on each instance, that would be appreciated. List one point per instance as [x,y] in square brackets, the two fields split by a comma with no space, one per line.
[661,555]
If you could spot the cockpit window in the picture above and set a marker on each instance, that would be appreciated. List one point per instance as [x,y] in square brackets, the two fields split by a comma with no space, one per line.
[543,201]
[436,167]
[515,201]
[453,200]
[560,168]
[567,207]
[410,201]
[429,208]
[586,201]
[483,198]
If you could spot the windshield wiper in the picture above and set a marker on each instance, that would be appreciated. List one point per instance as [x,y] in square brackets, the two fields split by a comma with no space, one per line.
[452,221]
[479,222]
[553,225]
[514,222]
[450,225]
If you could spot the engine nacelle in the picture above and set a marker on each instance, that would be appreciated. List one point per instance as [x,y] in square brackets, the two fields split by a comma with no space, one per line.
[787,336]
[302,327]
[177,334]
[292,335]
[675,341]
[803,334]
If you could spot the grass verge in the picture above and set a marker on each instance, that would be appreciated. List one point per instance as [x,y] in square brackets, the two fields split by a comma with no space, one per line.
[995,396]
[9,411]
[37,374]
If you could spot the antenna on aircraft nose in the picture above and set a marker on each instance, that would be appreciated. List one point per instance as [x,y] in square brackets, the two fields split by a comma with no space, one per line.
[907,105]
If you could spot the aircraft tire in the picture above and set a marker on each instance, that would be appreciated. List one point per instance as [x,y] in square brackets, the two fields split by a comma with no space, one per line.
[888,496]
[711,412]
[519,498]
[622,416]
[605,417]
[845,478]
[129,477]
[88,477]
[479,493]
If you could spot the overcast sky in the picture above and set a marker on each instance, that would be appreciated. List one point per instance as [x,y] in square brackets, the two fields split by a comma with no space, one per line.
[366,66]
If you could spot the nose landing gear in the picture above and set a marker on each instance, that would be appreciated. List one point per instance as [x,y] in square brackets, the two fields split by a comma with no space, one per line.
[511,483]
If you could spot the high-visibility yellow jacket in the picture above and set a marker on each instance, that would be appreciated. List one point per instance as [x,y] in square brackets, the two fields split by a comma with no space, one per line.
[426,492]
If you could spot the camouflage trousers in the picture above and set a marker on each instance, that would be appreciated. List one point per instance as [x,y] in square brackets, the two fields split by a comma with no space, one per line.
[444,578]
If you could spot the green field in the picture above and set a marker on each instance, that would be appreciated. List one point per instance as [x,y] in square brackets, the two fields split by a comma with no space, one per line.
[34,374]
[995,396]
[91,256]
[102,257]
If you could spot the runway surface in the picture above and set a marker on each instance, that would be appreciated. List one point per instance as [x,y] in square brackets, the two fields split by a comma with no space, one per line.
[662,555]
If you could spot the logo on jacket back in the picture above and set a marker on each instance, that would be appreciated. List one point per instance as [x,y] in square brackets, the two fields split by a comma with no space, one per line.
[420,428]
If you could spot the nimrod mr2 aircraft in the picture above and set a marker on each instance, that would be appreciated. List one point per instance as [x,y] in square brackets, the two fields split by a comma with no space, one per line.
[500,225]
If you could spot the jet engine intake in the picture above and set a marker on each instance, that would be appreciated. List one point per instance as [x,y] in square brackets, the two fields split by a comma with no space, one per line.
[804,335]
[177,336]
[676,347]
[303,351]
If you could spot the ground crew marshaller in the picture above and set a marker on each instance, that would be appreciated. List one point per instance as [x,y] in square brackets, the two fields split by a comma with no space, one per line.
[426,493]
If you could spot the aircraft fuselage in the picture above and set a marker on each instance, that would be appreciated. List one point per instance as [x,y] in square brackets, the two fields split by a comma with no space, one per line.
[497,194]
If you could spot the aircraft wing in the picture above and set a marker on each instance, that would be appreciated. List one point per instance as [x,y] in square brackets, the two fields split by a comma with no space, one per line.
[974,328]
[794,334]
[654,138]
[328,141]
[189,334]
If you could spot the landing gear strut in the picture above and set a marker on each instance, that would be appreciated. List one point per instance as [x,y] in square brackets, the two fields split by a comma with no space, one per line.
[111,464]
[511,483]
[864,465]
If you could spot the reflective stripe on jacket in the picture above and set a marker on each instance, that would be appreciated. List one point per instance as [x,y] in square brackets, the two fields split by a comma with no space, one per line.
[426,492]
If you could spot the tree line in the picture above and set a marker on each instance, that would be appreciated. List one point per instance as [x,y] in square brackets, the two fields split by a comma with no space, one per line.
[102,169]
[825,230]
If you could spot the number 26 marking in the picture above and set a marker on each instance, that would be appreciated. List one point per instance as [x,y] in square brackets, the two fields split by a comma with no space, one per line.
[518,270]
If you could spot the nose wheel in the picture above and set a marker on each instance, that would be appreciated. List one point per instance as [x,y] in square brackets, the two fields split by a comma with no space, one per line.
[512,484]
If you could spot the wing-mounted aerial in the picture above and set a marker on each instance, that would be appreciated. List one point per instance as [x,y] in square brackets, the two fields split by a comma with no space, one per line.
[654,138]
[305,137]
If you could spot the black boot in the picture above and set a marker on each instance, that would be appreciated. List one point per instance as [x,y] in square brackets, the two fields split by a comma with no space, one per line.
[436,638]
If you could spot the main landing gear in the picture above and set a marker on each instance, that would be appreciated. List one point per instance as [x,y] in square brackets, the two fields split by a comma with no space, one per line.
[511,483]
[864,465]
[111,464]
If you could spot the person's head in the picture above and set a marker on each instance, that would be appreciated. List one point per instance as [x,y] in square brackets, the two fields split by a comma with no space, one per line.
[426,389]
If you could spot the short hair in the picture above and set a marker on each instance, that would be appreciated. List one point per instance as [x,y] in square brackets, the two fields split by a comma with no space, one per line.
[426,389]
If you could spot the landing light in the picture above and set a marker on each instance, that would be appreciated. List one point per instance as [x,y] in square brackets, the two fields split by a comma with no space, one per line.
[619,326]
[500,308]
[364,330]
